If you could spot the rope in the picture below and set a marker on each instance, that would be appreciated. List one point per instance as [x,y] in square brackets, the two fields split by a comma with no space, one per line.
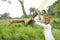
[42,5]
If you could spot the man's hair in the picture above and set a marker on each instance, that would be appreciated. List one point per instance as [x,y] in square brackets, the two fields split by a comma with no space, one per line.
[44,11]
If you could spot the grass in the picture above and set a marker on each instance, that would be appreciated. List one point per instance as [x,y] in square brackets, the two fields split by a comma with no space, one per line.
[56,33]
[22,32]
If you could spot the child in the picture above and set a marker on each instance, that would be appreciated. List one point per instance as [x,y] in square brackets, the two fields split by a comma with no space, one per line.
[41,17]
[47,29]
[29,21]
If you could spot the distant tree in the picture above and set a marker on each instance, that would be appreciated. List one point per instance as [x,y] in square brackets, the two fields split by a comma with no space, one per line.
[4,0]
[0,15]
[5,15]
[32,9]
[7,1]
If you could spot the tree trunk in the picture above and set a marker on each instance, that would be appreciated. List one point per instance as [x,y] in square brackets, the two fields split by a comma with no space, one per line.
[24,12]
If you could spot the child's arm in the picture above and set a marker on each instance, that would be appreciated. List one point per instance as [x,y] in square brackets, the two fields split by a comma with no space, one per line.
[38,13]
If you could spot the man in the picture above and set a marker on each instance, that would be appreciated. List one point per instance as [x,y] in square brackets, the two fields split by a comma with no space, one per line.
[47,28]
[34,16]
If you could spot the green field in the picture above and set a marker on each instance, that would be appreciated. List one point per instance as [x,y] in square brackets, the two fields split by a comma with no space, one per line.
[20,31]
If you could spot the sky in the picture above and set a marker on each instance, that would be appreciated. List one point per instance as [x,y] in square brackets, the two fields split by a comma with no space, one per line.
[15,9]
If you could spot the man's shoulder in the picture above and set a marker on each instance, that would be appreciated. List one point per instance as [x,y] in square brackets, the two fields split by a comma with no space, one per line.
[49,25]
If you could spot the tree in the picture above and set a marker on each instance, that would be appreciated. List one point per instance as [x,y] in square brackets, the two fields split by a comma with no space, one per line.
[54,9]
[32,9]
[22,4]
[50,12]
[4,0]
[5,15]
[0,15]
[7,1]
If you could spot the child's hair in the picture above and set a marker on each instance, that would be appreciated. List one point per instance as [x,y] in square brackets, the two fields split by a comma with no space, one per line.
[44,11]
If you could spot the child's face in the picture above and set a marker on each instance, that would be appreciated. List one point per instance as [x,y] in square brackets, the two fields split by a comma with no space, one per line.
[42,12]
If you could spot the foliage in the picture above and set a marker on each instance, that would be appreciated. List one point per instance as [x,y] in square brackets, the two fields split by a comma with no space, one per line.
[56,33]
[20,31]
[55,22]
[32,9]
[7,1]
[54,10]
[5,16]
[4,0]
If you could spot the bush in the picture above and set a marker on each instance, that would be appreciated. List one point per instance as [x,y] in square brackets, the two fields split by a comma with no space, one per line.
[56,33]
[23,32]
[56,24]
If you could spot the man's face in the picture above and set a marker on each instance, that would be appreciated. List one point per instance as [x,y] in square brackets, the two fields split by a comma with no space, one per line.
[42,12]
[46,22]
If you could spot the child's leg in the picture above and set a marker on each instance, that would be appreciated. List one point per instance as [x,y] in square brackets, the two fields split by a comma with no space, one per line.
[26,21]
[29,21]
[17,21]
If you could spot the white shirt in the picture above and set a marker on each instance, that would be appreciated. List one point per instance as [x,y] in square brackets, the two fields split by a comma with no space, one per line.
[47,30]
[36,18]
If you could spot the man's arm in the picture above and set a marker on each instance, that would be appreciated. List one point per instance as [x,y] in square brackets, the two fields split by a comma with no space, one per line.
[38,23]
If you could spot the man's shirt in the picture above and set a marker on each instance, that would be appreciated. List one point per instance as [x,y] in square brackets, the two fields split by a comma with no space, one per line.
[47,30]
